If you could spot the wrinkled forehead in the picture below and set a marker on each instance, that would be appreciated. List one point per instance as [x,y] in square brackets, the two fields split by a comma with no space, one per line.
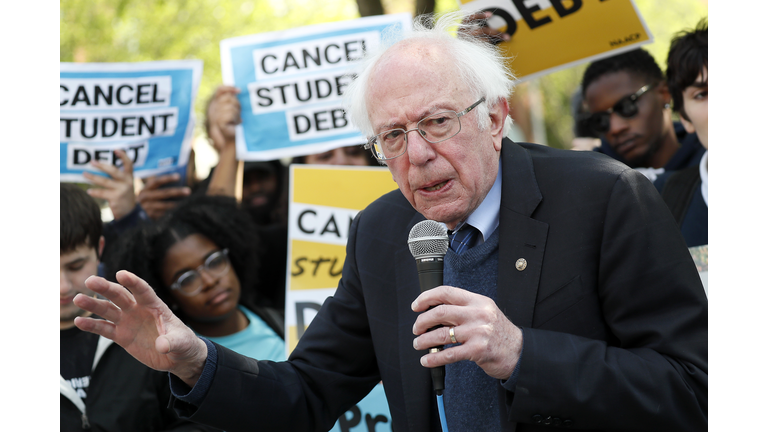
[405,58]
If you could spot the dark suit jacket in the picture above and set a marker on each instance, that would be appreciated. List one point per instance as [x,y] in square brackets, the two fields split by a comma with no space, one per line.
[612,310]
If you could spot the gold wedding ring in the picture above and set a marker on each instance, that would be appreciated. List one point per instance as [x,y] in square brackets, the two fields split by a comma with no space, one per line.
[452,335]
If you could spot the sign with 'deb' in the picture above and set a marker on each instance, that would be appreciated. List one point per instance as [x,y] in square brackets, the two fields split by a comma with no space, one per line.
[145,109]
[292,82]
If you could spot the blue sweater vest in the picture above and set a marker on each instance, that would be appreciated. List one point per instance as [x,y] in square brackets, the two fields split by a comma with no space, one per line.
[471,396]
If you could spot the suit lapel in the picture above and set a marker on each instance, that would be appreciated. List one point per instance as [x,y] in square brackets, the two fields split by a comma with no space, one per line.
[522,240]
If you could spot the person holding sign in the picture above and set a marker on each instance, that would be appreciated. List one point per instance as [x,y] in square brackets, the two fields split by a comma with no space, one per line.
[594,319]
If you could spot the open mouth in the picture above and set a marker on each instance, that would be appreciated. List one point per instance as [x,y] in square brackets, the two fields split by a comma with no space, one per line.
[435,187]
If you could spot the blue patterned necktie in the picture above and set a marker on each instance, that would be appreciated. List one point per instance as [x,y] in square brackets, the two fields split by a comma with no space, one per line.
[463,239]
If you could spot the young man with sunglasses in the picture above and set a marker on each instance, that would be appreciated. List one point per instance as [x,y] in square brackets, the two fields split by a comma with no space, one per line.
[627,101]
[686,191]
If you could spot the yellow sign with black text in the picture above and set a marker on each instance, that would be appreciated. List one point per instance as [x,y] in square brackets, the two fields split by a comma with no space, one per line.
[548,35]
[323,202]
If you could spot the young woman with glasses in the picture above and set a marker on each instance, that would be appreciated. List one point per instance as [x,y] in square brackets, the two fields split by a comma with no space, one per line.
[202,260]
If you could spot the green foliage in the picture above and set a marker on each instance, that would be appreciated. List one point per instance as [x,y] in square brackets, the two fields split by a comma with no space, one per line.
[146,30]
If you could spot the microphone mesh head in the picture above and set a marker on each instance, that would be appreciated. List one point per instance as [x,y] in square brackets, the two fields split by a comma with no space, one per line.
[428,238]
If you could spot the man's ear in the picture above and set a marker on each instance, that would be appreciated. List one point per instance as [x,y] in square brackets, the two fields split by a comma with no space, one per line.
[101,247]
[498,114]
[663,90]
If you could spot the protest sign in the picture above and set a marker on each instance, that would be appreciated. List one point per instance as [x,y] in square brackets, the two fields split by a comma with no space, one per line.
[143,108]
[323,202]
[548,35]
[291,84]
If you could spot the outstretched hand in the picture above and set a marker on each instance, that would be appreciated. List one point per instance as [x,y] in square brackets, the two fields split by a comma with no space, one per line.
[137,320]
[484,334]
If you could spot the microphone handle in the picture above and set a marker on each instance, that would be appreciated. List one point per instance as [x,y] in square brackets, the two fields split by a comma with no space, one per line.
[430,272]
[430,276]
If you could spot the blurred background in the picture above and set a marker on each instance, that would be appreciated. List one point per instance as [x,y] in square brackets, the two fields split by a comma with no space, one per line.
[146,30]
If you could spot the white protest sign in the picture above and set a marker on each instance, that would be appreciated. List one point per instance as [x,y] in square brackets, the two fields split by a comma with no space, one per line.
[291,84]
[143,108]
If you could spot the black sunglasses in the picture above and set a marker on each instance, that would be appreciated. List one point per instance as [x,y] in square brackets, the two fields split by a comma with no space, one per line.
[626,107]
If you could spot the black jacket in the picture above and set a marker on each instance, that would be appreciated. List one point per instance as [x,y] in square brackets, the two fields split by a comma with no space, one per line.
[613,313]
[123,395]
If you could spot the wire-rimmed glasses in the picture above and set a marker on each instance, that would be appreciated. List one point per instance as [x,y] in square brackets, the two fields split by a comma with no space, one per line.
[434,128]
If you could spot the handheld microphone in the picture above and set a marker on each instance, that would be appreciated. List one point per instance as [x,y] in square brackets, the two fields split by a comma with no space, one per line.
[428,242]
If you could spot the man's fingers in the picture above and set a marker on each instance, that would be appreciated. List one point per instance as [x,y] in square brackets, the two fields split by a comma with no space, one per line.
[98,326]
[142,292]
[127,162]
[165,193]
[437,337]
[446,356]
[156,182]
[98,180]
[100,307]
[113,292]
[443,294]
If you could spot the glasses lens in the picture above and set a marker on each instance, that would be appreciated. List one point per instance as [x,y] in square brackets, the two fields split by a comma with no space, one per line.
[626,107]
[390,144]
[439,127]
[189,282]
[216,263]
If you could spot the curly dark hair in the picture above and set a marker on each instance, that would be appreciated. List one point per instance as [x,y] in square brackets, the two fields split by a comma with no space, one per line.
[636,62]
[218,218]
[687,59]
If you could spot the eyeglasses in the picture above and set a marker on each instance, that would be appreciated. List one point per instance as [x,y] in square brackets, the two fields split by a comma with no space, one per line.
[191,283]
[626,107]
[434,128]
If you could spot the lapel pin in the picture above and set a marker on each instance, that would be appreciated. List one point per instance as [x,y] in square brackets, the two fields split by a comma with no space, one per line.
[521,264]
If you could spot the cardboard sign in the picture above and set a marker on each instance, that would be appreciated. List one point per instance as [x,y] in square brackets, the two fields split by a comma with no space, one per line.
[549,35]
[291,85]
[143,108]
[324,201]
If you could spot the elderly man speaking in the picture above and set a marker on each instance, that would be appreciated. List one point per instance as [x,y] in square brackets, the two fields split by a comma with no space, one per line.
[570,299]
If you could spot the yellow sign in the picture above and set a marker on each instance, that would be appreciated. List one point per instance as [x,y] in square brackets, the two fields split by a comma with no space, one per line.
[549,35]
[324,201]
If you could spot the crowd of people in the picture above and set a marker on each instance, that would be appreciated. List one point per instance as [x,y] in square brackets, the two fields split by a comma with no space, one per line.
[577,304]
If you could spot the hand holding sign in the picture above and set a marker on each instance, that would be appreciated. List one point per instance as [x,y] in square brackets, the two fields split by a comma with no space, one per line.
[153,198]
[222,116]
[487,32]
[117,189]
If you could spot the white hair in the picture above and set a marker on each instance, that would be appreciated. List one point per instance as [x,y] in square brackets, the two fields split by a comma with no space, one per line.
[479,64]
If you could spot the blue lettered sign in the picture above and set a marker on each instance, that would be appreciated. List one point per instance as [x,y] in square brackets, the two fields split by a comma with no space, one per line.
[291,84]
[143,108]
